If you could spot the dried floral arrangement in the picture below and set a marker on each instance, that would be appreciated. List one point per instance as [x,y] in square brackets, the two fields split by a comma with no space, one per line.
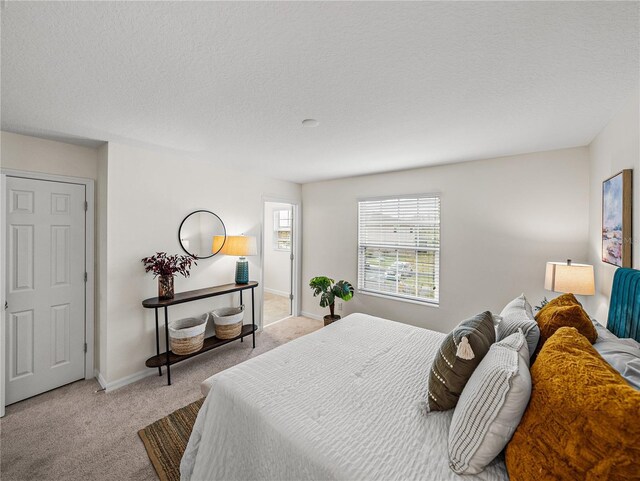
[162,264]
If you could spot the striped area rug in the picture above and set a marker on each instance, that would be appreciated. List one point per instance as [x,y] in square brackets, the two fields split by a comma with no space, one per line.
[166,439]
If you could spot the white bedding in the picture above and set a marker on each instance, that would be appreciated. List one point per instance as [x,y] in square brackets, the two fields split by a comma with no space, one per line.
[344,402]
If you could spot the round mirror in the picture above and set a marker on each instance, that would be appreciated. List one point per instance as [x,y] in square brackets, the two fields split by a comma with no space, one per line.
[197,231]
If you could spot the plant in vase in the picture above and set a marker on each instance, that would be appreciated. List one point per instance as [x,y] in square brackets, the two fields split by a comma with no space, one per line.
[165,267]
[328,290]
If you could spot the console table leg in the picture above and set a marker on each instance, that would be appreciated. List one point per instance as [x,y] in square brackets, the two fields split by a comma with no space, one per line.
[242,337]
[166,335]
[253,319]
[158,342]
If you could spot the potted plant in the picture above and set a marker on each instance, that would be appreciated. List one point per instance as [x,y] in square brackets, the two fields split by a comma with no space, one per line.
[328,290]
[165,267]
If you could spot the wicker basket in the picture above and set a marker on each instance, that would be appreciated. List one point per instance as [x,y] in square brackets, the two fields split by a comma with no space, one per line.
[186,336]
[228,322]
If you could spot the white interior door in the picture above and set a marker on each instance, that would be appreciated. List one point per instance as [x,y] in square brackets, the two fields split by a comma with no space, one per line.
[45,325]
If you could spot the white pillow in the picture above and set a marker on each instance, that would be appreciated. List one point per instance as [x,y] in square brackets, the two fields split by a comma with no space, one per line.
[490,406]
[519,315]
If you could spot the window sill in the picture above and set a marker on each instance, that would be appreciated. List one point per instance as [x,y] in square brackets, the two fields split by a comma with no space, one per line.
[431,304]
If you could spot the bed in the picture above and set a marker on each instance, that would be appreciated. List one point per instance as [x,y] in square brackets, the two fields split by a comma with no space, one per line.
[280,416]
[345,402]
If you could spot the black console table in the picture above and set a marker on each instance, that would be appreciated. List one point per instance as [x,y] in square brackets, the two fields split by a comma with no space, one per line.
[168,358]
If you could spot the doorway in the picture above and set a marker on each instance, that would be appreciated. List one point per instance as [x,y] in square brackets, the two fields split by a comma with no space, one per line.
[278,269]
[48,237]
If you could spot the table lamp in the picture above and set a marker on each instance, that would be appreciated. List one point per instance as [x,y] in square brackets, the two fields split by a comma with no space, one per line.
[570,277]
[237,245]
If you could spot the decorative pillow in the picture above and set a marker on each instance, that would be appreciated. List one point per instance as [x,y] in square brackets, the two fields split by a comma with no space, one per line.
[560,301]
[624,356]
[490,406]
[582,419]
[519,315]
[564,311]
[459,354]
[604,334]
[519,307]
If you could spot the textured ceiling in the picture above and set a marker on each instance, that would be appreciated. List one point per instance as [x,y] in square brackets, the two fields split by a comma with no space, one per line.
[394,85]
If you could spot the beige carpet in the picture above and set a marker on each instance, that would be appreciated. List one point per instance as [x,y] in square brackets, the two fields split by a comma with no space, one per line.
[73,433]
[275,308]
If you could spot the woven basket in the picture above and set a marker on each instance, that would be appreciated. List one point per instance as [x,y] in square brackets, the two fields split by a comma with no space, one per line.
[228,322]
[228,331]
[186,336]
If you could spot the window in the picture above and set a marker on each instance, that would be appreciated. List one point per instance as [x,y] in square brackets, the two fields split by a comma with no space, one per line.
[399,247]
[282,230]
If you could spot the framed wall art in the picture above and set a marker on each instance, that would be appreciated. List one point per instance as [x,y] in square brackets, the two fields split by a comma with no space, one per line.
[616,219]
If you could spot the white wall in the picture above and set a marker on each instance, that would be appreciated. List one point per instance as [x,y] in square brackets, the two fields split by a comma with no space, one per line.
[615,148]
[32,154]
[149,193]
[277,263]
[501,221]
[141,197]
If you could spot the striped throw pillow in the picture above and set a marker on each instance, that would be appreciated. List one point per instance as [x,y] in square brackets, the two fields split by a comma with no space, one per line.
[491,406]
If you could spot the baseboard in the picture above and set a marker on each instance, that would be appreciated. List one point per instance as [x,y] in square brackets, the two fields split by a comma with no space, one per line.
[276,292]
[311,316]
[118,383]
[98,375]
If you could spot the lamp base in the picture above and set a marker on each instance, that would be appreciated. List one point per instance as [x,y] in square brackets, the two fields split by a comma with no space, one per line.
[242,271]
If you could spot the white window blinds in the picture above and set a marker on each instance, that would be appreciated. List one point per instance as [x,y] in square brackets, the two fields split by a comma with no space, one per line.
[399,247]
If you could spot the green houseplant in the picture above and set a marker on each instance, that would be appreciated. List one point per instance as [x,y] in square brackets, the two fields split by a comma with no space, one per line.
[328,290]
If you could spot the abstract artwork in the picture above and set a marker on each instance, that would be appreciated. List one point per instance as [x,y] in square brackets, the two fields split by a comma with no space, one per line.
[616,219]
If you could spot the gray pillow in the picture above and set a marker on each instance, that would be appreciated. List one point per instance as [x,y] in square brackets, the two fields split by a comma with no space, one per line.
[604,334]
[624,356]
[491,406]
[519,315]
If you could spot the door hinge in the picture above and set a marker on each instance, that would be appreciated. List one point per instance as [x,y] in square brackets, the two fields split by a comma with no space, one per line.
[86,277]
[291,297]
[86,206]
[85,347]
[291,257]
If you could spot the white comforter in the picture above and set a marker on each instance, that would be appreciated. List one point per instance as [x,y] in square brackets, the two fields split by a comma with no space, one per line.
[345,402]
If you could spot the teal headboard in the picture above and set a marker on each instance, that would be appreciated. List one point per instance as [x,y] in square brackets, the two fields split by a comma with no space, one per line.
[624,307]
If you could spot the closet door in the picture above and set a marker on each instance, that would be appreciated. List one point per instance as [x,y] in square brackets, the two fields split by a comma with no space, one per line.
[45,311]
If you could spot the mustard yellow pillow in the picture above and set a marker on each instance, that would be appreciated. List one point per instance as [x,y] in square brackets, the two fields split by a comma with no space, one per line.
[582,419]
[562,300]
[564,311]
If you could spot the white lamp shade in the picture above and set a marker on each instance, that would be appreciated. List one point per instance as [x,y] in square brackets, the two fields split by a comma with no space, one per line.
[235,245]
[573,278]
